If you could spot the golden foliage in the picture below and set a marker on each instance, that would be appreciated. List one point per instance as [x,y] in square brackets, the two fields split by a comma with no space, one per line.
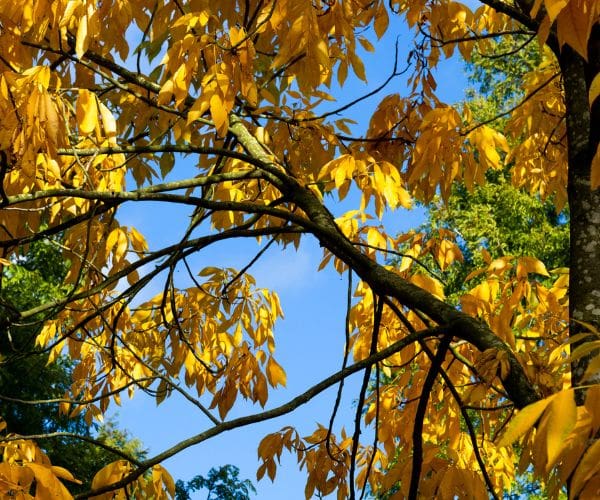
[247,88]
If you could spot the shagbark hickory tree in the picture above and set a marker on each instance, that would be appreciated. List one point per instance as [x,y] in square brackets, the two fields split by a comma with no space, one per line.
[101,100]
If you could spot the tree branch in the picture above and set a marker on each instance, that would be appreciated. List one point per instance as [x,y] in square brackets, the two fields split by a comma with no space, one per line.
[58,435]
[288,407]
[387,283]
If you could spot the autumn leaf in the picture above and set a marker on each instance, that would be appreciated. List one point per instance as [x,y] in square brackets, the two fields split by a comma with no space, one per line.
[47,483]
[231,131]
[587,468]
[554,7]
[595,170]
[219,114]
[428,283]
[561,418]
[524,421]
[275,373]
[574,25]
[594,89]
[87,112]
[82,38]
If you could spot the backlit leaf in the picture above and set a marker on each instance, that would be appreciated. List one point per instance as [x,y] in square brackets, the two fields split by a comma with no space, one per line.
[87,112]
[574,25]
[82,38]
[587,468]
[554,7]
[562,415]
[524,421]
[219,114]
[275,373]
[595,170]
[594,89]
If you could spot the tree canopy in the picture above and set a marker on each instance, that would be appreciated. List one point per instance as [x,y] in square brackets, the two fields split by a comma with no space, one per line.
[221,483]
[218,108]
[498,216]
[26,377]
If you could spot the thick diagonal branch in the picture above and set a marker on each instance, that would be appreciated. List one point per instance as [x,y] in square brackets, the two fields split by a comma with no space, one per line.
[382,281]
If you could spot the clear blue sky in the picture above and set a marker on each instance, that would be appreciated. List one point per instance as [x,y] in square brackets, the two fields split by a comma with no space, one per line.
[309,340]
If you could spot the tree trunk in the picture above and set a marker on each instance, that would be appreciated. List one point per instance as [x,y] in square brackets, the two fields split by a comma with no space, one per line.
[583,133]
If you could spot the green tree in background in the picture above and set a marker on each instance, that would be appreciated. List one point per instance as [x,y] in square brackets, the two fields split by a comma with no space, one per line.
[26,375]
[498,216]
[496,76]
[222,484]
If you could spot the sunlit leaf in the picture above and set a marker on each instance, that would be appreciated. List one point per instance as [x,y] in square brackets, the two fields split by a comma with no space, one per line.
[87,112]
[524,421]
[562,415]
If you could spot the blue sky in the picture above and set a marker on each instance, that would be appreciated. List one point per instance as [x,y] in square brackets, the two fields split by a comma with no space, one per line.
[309,340]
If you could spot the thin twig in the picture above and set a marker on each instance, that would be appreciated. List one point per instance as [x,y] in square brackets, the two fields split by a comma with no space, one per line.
[377,311]
[288,407]
[338,397]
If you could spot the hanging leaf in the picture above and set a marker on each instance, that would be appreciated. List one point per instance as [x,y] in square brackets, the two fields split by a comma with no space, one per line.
[524,421]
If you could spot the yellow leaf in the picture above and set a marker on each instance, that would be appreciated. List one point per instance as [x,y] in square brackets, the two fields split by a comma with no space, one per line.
[524,421]
[275,373]
[236,35]
[587,468]
[584,349]
[161,476]
[342,73]
[82,39]
[533,265]
[268,446]
[447,253]
[237,335]
[64,474]
[219,115]
[166,163]
[86,112]
[366,44]
[595,170]
[133,277]
[554,7]
[358,67]
[52,120]
[261,391]
[381,21]
[47,484]
[198,109]
[138,242]
[108,120]
[110,473]
[594,89]
[112,239]
[574,26]
[375,238]
[428,283]
[344,171]
[225,400]
[122,244]
[562,415]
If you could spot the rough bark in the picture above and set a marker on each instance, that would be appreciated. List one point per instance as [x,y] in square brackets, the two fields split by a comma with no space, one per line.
[583,133]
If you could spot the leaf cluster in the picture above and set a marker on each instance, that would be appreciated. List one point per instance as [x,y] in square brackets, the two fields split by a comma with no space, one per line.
[26,376]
